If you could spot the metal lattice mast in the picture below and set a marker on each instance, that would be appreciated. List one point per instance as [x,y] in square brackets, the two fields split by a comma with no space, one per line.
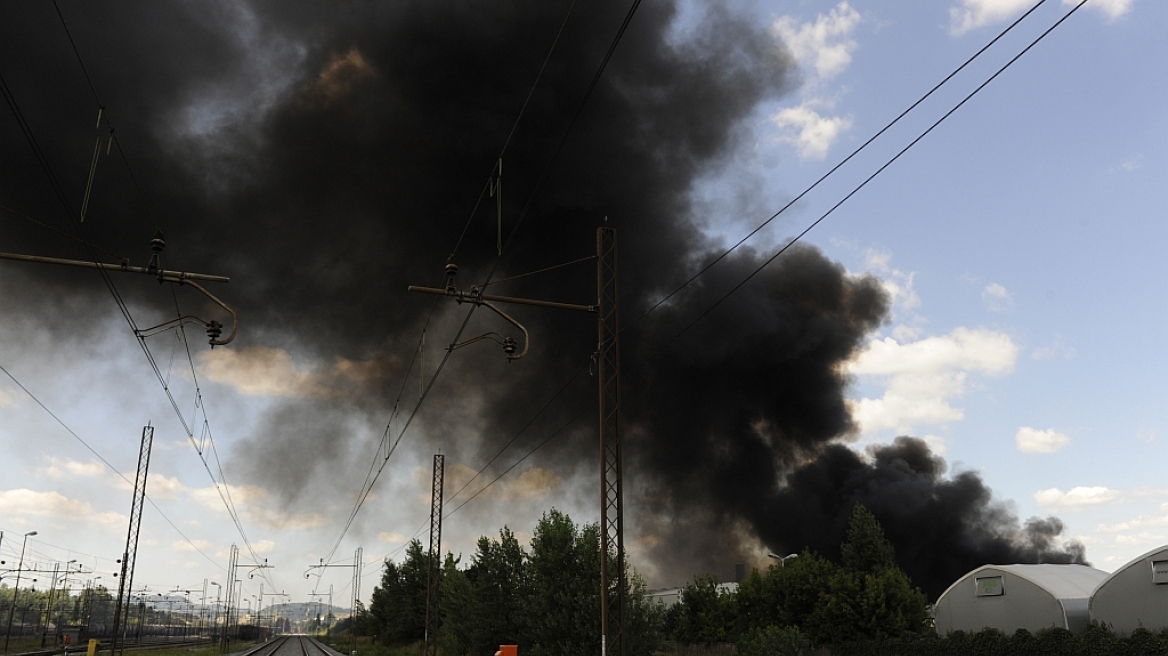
[232,566]
[356,596]
[435,561]
[130,555]
[612,547]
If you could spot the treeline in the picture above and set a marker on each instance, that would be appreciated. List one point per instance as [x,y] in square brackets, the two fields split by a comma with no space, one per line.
[808,601]
[66,607]
[545,598]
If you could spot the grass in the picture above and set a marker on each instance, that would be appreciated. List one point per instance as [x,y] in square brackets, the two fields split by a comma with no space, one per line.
[365,647]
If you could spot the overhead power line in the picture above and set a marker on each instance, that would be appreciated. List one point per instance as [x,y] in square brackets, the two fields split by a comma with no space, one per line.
[810,227]
[832,170]
[873,176]
[119,301]
[502,247]
[105,462]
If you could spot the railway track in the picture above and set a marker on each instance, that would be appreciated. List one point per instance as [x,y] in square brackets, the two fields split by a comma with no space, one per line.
[291,645]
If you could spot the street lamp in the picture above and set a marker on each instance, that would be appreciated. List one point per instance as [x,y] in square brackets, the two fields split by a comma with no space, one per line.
[215,611]
[782,559]
[16,589]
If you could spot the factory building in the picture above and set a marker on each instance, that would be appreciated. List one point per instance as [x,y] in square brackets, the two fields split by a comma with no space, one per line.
[1135,595]
[1012,597]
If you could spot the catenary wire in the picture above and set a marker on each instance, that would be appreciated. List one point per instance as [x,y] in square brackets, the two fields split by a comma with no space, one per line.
[514,127]
[104,461]
[809,228]
[60,232]
[830,172]
[511,235]
[367,486]
[232,511]
[871,177]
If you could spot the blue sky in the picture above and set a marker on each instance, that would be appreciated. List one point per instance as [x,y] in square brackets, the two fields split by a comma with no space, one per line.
[1020,241]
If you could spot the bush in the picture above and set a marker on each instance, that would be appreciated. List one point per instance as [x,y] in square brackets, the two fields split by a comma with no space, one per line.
[775,641]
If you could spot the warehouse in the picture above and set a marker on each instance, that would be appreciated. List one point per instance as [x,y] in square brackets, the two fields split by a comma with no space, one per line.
[1135,595]
[1012,597]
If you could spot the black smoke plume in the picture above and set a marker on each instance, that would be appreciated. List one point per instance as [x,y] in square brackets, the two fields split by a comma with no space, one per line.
[327,155]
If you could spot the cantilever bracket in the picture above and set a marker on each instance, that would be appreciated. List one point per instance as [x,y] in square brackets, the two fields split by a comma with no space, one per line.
[477,297]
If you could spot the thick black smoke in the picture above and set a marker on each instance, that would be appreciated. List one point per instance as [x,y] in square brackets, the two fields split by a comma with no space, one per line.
[327,155]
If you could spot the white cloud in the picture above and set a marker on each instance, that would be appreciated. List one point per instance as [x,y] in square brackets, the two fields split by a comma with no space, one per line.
[65,468]
[925,375]
[969,349]
[54,505]
[184,546]
[937,444]
[392,537]
[163,487]
[972,14]
[1032,440]
[1057,349]
[1076,498]
[824,48]
[1143,521]
[241,495]
[1146,435]
[1113,8]
[7,398]
[1129,165]
[897,283]
[825,44]
[997,298]
[808,131]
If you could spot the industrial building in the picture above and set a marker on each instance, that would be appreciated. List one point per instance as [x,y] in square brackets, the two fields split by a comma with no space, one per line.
[1135,595]
[1012,597]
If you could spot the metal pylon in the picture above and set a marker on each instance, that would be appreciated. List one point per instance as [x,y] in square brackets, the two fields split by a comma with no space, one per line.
[232,601]
[435,559]
[130,555]
[357,555]
[612,547]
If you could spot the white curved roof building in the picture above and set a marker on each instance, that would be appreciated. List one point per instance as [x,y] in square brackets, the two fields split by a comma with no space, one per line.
[1012,597]
[1135,595]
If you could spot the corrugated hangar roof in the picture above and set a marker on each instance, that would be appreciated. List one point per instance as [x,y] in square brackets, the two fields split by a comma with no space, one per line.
[1062,581]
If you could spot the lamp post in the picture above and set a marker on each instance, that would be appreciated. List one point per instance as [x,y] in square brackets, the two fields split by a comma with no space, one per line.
[16,589]
[215,608]
[782,559]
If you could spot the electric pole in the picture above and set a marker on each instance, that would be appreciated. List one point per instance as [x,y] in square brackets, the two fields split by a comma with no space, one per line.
[130,555]
[435,558]
[612,550]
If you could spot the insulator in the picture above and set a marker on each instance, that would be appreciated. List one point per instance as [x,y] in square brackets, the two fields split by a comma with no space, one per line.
[158,243]
[451,274]
[214,330]
[509,346]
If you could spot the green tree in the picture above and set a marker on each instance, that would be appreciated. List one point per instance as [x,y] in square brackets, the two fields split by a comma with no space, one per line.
[563,606]
[869,598]
[500,583]
[643,617]
[704,614]
[456,629]
[399,602]
[860,606]
[865,549]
